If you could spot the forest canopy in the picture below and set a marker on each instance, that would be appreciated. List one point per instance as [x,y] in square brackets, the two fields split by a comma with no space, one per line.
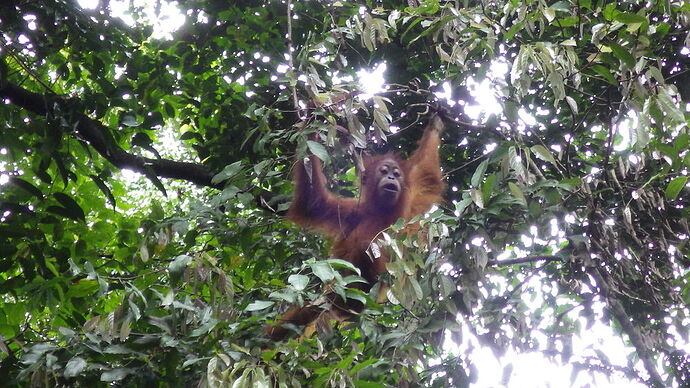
[146,150]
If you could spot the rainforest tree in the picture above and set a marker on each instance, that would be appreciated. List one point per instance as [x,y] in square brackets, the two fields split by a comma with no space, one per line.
[145,173]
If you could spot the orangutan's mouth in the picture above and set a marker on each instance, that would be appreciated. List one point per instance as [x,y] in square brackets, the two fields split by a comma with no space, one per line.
[391,187]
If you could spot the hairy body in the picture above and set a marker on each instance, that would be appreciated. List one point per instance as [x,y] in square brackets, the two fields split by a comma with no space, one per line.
[391,188]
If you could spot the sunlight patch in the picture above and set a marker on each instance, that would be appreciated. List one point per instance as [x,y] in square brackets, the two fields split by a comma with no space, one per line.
[88,4]
[165,20]
[624,129]
[484,95]
[372,82]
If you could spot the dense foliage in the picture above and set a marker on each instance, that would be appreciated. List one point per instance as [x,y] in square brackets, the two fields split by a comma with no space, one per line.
[570,189]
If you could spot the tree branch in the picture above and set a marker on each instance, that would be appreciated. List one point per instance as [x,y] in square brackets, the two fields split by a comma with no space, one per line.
[291,64]
[98,136]
[523,260]
[617,310]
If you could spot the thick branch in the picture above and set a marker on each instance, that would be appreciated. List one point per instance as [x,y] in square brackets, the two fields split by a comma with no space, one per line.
[98,137]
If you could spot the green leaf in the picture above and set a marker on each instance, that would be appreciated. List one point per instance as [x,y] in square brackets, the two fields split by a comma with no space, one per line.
[323,271]
[416,287]
[629,18]
[566,22]
[669,106]
[517,193]
[572,104]
[318,149]
[229,192]
[75,211]
[151,175]
[228,172]
[675,186]
[178,265]
[428,7]
[515,162]
[245,198]
[61,211]
[64,172]
[606,73]
[662,29]
[144,251]
[623,54]
[260,168]
[133,308]
[542,153]
[28,187]
[478,175]
[346,362]
[409,28]
[440,23]
[570,184]
[192,135]
[299,282]
[477,198]
[105,189]
[682,142]
[130,121]
[119,349]
[610,11]
[3,72]
[488,187]
[84,287]
[461,206]
[363,365]
[116,374]
[513,30]
[74,367]
[14,313]
[259,305]
[142,140]
[561,6]
[205,328]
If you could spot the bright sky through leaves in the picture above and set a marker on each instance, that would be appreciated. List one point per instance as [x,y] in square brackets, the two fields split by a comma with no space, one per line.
[570,142]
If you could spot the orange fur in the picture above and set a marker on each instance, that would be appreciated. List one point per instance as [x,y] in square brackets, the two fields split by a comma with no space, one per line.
[352,224]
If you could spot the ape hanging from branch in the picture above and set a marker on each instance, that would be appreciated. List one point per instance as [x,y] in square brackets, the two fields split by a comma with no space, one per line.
[391,188]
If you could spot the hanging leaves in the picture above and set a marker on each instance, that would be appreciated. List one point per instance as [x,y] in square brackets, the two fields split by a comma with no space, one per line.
[675,186]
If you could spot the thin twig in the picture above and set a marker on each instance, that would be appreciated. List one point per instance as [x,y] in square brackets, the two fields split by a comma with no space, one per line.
[27,69]
[464,165]
[291,64]
[523,260]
